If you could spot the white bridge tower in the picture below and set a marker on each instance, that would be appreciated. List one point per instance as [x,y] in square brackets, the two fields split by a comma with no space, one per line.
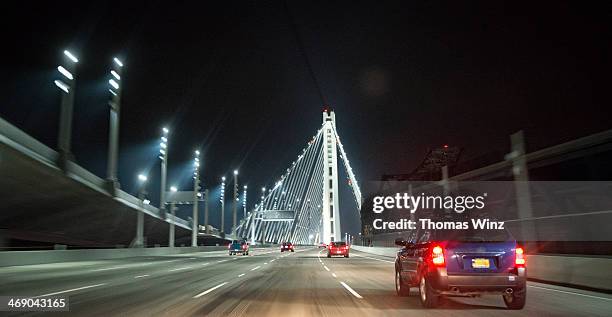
[330,206]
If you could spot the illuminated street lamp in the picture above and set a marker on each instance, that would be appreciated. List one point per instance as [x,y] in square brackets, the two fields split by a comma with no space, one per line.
[113,131]
[139,241]
[66,84]
[236,200]
[244,201]
[196,195]
[171,243]
[223,204]
[163,156]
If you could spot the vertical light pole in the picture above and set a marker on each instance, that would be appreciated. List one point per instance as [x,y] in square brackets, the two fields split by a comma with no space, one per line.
[163,155]
[244,201]
[67,85]
[206,210]
[236,200]
[173,189]
[196,193]
[142,180]
[223,205]
[113,131]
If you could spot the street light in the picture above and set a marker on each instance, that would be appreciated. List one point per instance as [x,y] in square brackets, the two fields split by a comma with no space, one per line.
[196,195]
[67,84]
[244,201]
[163,151]
[236,199]
[139,241]
[113,131]
[171,243]
[223,204]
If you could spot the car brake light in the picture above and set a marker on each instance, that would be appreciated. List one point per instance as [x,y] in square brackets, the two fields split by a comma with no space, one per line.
[519,259]
[244,246]
[437,256]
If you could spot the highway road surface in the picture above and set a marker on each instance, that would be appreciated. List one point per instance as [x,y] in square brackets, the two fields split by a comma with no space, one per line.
[265,283]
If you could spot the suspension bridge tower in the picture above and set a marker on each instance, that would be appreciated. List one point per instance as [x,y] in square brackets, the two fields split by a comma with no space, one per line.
[330,207]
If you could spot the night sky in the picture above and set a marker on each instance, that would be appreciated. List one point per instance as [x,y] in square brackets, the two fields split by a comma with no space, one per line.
[234,80]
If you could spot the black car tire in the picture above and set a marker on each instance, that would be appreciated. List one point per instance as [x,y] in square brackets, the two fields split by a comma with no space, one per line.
[516,300]
[401,288]
[292,250]
[329,255]
[346,256]
[429,299]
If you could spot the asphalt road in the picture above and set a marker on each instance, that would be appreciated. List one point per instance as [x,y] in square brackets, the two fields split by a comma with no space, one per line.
[265,283]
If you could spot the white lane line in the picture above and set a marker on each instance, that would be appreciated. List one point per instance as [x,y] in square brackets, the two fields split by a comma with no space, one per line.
[265,263]
[204,263]
[351,290]
[272,260]
[180,269]
[107,269]
[326,268]
[209,290]
[141,276]
[220,261]
[572,293]
[334,275]
[241,275]
[367,257]
[255,268]
[71,290]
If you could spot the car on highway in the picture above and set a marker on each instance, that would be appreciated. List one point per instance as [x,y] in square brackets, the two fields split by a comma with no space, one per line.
[338,248]
[466,263]
[287,246]
[238,247]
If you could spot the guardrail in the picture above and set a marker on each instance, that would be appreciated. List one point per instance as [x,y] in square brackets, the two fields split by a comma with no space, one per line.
[578,271]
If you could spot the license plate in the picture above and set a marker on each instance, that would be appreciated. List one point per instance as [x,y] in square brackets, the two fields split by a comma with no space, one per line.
[480,263]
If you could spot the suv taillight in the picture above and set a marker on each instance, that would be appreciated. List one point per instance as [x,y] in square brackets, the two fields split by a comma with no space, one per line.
[519,259]
[437,256]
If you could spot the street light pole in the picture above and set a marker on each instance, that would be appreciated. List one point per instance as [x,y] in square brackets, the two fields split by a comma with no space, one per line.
[196,193]
[236,200]
[171,243]
[139,243]
[223,205]
[113,131]
[163,151]
[67,85]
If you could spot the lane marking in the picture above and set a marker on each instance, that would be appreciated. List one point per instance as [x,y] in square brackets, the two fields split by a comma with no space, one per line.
[272,260]
[220,261]
[141,276]
[265,263]
[209,290]
[255,268]
[71,290]
[181,268]
[334,275]
[572,293]
[326,268]
[204,263]
[367,257]
[351,290]
[241,275]
[107,269]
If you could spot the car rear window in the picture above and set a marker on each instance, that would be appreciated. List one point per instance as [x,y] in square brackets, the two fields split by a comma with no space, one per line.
[338,244]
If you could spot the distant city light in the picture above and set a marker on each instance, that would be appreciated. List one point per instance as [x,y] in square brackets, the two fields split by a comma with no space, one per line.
[235,172]
[72,57]
[142,177]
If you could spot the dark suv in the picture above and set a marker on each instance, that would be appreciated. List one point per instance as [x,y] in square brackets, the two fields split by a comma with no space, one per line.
[461,263]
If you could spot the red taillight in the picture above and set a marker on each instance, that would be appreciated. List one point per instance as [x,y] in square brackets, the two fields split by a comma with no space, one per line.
[437,256]
[519,259]
[244,246]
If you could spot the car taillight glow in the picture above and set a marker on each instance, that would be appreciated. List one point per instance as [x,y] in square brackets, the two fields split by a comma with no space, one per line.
[437,256]
[244,246]
[519,259]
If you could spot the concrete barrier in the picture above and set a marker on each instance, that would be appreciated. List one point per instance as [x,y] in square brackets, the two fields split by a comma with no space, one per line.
[579,271]
[10,258]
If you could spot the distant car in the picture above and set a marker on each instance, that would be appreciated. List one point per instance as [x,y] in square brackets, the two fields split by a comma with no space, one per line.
[322,245]
[462,263]
[338,248]
[287,246]
[238,246]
